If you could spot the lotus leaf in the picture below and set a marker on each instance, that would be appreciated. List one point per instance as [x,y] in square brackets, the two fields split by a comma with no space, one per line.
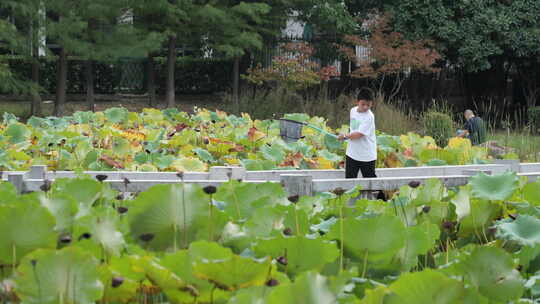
[525,230]
[308,288]
[531,193]
[493,272]
[494,187]
[17,133]
[116,115]
[66,276]
[24,227]
[375,238]
[171,216]
[428,286]
[229,271]
[302,253]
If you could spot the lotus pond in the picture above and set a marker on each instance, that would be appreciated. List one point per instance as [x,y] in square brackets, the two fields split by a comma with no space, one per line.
[168,140]
[79,241]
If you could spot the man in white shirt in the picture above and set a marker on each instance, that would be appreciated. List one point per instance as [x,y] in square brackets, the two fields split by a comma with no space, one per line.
[361,152]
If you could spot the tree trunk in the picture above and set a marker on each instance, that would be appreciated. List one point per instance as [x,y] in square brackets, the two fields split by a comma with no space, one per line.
[236,84]
[35,108]
[89,75]
[171,64]
[61,83]
[151,81]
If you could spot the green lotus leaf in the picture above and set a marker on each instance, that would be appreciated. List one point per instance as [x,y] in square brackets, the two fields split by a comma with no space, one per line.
[252,295]
[62,207]
[332,143]
[66,276]
[525,230]
[24,227]
[171,284]
[377,237]
[84,117]
[531,193]
[309,288]
[482,214]
[103,224]
[533,284]
[257,164]
[462,201]
[493,272]
[419,240]
[84,190]
[17,133]
[428,286]
[204,155]
[431,192]
[163,161]
[116,115]
[273,153]
[121,146]
[171,216]
[302,253]
[116,268]
[436,162]
[227,270]
[376,296]
[529,258]
[330,156]
[242,199]
[8,192]
[181,264]
[494,187]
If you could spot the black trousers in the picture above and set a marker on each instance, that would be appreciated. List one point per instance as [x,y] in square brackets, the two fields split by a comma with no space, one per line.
[353,166]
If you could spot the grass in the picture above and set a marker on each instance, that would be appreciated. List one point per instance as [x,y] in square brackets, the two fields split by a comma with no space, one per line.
[527,146]
[21,109]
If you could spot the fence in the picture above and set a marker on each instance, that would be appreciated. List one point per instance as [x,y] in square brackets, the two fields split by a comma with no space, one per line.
[304,182]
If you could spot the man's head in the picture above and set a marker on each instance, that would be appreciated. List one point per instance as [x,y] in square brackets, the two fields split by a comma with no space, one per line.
[469,114]
[364,101]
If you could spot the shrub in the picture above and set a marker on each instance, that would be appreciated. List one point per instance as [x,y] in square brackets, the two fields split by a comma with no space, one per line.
[439,126]
[534,118]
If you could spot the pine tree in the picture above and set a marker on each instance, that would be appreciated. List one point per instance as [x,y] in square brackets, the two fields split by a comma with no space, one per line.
[22,38]
[93,30]
[169,19]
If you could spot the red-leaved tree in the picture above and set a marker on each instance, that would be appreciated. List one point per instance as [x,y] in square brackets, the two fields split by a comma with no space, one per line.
[295,69]
[391,55]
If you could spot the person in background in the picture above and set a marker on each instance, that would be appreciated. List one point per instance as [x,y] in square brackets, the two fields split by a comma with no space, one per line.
[361,153]
[475,129]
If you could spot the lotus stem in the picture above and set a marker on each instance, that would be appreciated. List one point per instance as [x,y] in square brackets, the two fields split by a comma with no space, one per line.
[210,211]
[365,264]
[296,220]
[447,250]
[342,238]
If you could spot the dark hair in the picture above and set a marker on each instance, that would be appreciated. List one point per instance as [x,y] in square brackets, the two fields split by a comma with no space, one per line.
[364,95]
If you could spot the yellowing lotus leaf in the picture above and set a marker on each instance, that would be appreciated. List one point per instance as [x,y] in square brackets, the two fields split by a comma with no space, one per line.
[133,135]
[459,142]
[324,163]
[80,128]
[254,134]
[189,164]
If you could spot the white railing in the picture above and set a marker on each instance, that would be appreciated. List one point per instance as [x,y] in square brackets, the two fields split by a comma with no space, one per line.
[294,181]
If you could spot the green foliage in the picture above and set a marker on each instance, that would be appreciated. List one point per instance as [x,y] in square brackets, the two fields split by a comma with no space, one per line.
[64,276]
[534,118]
[439,126]
[427,245]
[193,75]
